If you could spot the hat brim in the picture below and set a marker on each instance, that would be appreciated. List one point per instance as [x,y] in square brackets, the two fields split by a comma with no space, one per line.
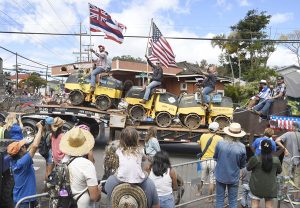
[226,131]
[77,151]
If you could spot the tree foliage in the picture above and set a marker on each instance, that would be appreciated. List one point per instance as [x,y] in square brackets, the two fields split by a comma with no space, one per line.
[241,93]
[294,47]
[128,58]
[245,49]
[35,81]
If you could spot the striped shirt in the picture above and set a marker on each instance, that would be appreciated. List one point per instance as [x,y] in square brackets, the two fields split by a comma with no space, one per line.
[265,93]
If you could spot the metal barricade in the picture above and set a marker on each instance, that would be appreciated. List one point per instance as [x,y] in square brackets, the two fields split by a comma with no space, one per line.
[37,197]
[190,174]
[289,183]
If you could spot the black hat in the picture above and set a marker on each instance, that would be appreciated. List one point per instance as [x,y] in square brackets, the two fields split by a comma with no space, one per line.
[266,146]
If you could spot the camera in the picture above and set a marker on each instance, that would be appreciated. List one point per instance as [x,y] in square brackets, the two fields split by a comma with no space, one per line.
[43,122]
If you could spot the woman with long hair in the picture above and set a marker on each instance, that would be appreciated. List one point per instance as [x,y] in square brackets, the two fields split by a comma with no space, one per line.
[151,142]
[56,135]
[13,127]
[263,177]
[164,178]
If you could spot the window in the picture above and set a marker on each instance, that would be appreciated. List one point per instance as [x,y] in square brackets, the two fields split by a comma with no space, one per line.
[183,86]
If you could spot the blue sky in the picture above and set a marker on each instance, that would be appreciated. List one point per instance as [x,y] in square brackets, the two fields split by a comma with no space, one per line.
[179,18]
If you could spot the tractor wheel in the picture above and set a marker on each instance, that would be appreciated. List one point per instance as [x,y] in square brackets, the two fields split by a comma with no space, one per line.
[192,121]
[223,121]
[76,97]
[103,102]
[137,112]
[163,119]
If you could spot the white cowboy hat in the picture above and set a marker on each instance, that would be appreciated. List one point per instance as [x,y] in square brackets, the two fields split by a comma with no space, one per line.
[77,142]
[234,130]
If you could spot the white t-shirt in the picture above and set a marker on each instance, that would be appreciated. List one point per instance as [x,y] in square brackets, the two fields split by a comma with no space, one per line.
[82,174]
[130,167]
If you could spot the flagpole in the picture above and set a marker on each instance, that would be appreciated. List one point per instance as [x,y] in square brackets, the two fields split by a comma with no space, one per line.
[146,53]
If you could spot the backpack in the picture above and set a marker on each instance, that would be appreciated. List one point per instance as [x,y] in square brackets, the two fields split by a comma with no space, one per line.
[45,145]
[59,187]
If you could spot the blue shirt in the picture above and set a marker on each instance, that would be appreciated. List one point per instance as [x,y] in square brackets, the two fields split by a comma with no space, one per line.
[25,182]
[230,157]
[257,147]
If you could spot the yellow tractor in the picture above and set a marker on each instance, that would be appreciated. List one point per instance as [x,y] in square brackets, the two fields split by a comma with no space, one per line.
[161,107]
[107,93]
[193,114]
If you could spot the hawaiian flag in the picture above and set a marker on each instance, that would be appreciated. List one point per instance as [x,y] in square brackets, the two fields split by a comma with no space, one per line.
[283,122]
[101,21]
[160,49]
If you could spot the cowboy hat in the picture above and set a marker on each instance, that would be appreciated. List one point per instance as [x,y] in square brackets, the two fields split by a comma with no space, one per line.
[14,147]
[57,123]
[234,130]
[128,195]
[77,142]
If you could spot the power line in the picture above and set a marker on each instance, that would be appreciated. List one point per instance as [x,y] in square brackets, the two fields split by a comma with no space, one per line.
[22,56]
[145,37]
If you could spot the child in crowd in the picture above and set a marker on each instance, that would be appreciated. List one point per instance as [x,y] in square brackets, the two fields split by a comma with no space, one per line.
[263,177]
[130,156]
[151,142]
[245,178]
[164,178]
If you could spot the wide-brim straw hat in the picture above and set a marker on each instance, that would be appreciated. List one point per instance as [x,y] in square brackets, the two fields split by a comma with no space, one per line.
[128,195]
[77,142]
[234,130]
[57,123]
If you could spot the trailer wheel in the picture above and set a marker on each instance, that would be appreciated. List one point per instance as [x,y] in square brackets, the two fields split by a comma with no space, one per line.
[76,97]
[192,121]
[29,128]
[137,112]
[223,121]
[103,102]
[163,119]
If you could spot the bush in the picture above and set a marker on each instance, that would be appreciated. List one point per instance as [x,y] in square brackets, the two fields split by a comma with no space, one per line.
[240,94]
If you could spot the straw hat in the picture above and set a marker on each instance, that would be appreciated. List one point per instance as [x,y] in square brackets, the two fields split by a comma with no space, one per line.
[234,130]
[77,142]
[129,196]
[14,147]
[57,123]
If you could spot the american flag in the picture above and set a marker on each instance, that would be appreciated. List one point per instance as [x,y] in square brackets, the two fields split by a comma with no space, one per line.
[160,50]
[101,21]
[283,122]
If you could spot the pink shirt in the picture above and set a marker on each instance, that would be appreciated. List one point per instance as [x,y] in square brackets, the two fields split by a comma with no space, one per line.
[57,155]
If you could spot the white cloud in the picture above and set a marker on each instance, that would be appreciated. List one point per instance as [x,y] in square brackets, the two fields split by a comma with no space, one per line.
[224,4]
[243,3]
[281,17]
[282,57]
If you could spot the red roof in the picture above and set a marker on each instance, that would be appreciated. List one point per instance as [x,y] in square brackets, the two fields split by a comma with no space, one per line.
[20,76]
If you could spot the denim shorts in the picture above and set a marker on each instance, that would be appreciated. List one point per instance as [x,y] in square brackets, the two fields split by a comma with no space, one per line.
[167,201]
[49,160]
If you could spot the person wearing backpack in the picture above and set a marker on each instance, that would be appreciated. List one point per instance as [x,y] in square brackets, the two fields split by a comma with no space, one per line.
[22,167]
[76,144]
[45,145]
[56,135]
[208,143]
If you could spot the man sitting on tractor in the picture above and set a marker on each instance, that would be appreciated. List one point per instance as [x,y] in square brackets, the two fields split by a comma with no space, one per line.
[156,80]
[278,93]
[101,64]
[209,84]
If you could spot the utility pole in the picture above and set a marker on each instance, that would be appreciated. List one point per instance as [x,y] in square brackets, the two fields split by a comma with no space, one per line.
[80,47]
[17,73]
[80,42]
[46,80]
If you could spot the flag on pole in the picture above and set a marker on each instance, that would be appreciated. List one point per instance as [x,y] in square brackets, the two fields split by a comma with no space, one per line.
[101,21]
[160,49]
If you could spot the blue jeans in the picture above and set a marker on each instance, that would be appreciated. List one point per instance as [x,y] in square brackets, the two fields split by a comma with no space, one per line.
[264,106]
[205,92]
[232,194]
[149,87]
[95,72]
[167,201]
